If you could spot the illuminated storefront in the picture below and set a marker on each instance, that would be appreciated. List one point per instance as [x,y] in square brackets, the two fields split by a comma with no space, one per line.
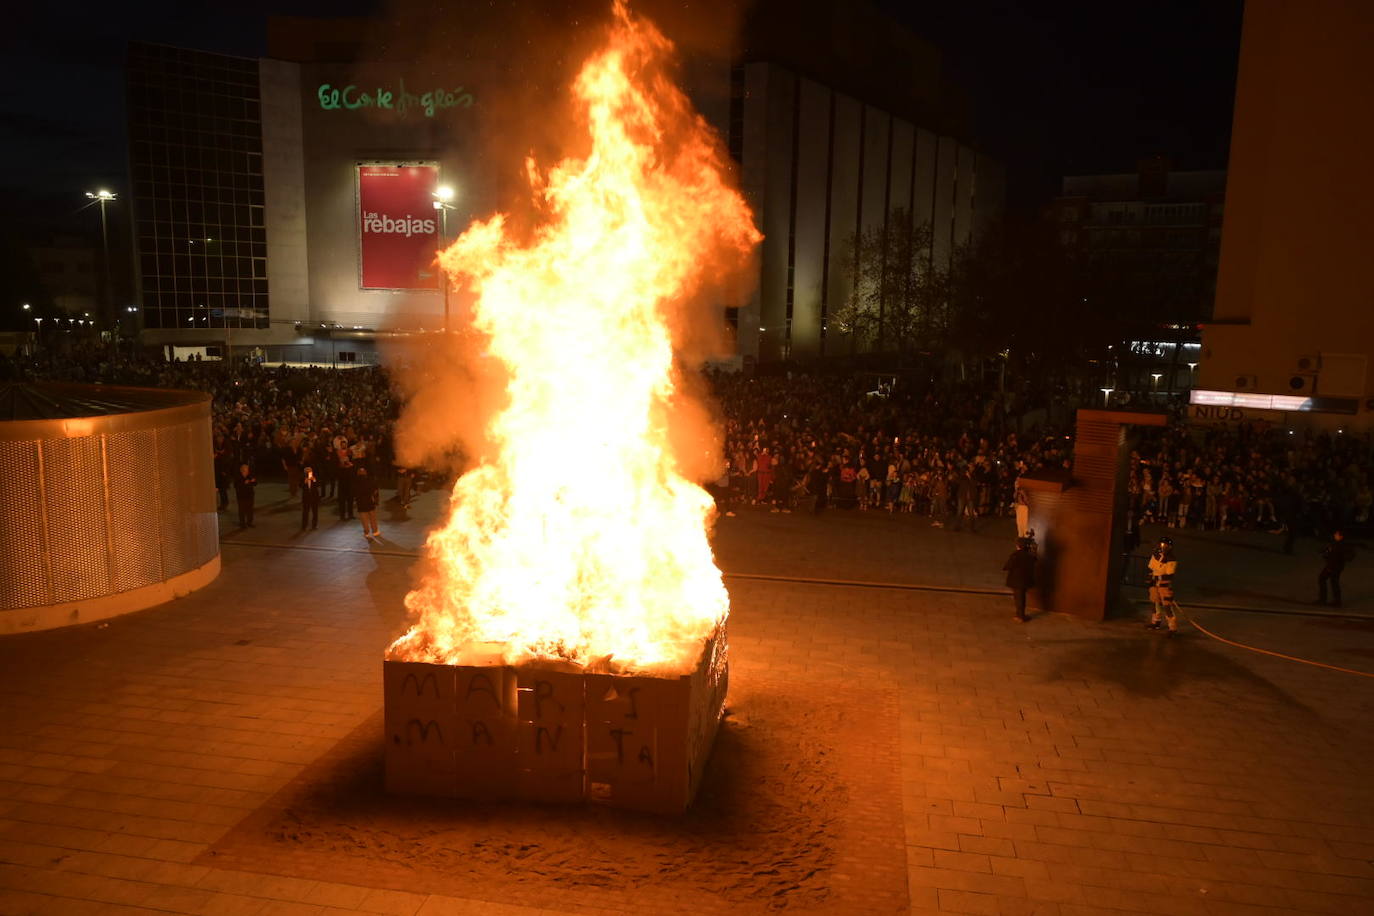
[296,205]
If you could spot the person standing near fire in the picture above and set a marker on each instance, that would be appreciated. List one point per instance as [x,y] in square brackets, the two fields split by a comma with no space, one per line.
[1020,570]
[1163,568]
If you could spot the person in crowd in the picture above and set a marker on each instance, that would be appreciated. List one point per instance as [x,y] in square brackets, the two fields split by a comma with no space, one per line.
[965,498]
[892,486]
[1022,507]
[846,492]
[244,485]
[818,485]
[1020,570]
[784,483]
[1163,566]
[345,471]
[310,499]
[223,467]
[291,465]
[720,492]
[1130,535]
[328,465]
[405,480]
[1335,555]
[939,496]
[365,494]
[763,465]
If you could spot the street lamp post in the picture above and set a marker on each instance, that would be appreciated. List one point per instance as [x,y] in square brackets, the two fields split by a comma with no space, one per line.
[103,197]
[1106,396]
[442,195]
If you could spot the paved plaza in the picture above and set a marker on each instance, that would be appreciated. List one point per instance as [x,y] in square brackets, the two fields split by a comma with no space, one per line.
[895,743]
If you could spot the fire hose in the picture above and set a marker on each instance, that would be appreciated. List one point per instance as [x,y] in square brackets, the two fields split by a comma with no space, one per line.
[1241,645]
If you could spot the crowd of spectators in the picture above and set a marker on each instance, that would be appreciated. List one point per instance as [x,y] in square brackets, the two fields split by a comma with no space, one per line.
[1228,479]
[953,453]
[268,422]
[949,452]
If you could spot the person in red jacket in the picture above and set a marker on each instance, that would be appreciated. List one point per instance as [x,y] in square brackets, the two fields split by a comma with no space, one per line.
[764,464]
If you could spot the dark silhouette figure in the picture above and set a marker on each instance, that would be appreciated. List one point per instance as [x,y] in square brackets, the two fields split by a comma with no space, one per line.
[1020,570]
[1334,556]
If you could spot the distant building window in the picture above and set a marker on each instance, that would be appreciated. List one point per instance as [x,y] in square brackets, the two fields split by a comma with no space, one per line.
[735,133]
[196,171]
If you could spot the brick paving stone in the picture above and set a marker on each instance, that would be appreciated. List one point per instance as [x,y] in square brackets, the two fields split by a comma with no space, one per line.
[392,903]
[1061,768]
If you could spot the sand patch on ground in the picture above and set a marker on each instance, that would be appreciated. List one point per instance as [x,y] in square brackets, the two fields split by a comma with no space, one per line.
[799,810]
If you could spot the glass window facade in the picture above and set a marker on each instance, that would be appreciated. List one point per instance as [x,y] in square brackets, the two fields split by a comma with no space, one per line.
[195,161]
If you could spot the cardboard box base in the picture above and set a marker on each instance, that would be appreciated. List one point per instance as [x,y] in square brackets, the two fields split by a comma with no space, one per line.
[549,733]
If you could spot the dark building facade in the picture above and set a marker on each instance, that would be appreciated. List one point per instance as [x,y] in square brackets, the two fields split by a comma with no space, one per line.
[198,206]
[841,122]
[69,270]
[1153,236]
[820,166]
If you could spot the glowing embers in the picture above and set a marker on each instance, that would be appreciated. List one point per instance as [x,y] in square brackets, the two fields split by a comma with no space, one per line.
[552,732]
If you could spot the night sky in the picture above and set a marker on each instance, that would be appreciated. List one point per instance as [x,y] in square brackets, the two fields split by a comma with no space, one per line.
[1058,86]
[1072,87]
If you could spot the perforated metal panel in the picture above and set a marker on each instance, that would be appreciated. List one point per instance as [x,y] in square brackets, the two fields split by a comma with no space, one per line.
[24,580]
[174,521]
[200,509]
[132,489]
[128,505]
[74,499]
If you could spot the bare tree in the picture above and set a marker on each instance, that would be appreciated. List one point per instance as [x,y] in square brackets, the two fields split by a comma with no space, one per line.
[899,298]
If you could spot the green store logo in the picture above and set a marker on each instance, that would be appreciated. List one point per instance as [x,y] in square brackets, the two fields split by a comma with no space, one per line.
[428,103]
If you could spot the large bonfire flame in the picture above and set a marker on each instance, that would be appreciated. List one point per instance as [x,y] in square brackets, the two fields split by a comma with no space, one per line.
[580,538]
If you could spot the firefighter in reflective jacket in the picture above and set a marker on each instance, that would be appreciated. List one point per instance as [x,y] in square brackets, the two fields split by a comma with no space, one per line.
[1163,566]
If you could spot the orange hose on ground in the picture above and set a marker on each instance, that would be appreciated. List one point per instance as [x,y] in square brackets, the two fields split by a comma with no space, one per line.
[1291,658]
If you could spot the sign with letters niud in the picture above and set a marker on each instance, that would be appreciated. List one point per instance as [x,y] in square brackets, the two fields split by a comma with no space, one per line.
[398,228]
[1218,415]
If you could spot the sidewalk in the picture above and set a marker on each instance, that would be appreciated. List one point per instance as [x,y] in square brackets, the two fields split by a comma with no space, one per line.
[888,750]
[1232,569]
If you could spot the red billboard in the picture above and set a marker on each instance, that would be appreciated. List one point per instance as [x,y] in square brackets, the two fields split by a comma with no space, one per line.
[398,227]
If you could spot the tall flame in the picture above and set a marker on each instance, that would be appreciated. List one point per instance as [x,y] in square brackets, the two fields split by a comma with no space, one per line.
[580,538]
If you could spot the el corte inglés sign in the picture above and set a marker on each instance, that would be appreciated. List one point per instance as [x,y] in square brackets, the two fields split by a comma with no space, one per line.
[399,100]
